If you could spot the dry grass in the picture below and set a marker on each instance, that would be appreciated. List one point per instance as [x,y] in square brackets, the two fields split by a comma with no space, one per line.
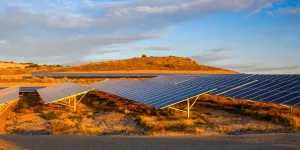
[104,114]
[46,80]
[17,70]
[162,125]
[149,64]
[266,111]
[12,65]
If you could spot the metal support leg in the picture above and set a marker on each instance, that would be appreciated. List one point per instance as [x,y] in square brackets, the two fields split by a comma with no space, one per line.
[75,104]
[291,110]
[188,108]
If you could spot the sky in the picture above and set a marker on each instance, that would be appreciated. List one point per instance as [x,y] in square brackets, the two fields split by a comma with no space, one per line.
[249,36]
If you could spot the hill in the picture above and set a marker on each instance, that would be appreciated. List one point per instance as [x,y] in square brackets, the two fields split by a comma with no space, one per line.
[143,64]
[12,65]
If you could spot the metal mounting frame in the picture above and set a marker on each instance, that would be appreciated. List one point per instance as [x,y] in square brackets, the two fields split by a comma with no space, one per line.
[71,101]
[189,106]
[4,107]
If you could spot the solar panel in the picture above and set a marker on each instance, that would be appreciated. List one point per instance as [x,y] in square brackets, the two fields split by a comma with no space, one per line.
[172,79]
[27,89]
[95,75]
[156,94]
[278,78]
[60,91]
[9,94]
[281,89]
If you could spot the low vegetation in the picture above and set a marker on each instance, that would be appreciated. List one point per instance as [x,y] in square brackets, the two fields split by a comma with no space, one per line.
[103,114]
[170,63]
[143,63]
[265,111]
[58,80]
[27,70]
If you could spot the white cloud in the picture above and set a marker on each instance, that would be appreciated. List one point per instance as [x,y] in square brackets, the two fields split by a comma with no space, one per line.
[261,68]
[41,49]
[291,10]
[69,21]
[159,48]
[211,56]
[73,29]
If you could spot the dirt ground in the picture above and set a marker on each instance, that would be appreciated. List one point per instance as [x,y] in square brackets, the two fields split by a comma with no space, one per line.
[104,116]
[225,142]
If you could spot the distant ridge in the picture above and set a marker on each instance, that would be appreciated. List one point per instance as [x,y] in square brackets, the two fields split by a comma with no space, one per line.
[170,63]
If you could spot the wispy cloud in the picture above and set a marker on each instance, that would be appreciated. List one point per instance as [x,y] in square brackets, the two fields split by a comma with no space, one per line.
[291,10]
[218,50]
[69,47]
[159,48]
[73,29]
[261,68]
[211,56]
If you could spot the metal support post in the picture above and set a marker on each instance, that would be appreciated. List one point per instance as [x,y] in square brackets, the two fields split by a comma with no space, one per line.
[75,104]
[291,110]
[188,108]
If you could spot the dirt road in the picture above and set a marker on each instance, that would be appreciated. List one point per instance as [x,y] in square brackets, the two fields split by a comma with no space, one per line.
[242,142]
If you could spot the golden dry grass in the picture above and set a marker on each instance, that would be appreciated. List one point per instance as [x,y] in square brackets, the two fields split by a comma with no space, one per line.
[104,114]
[260,110]
[35,81]
[147,63]
[12,65]
[169,64]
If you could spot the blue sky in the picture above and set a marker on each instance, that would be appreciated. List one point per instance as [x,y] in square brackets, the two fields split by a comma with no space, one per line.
[251,36]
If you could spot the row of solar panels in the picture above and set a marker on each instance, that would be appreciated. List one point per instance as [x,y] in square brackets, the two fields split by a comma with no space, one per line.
[93,75]
[281,78]
[9,94]
[282,89]
[164,91]
[27,89]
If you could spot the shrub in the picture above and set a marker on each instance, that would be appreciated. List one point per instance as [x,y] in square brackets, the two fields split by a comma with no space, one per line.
[144,56]
[169,65]
[150,62]
[49,116]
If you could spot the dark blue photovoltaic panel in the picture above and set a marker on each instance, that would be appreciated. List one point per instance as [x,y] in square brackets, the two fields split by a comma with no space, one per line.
[156,94]
[9,94]
[172,79]
[27,89]
[280,89]
[165,90]
[98,75]
[53,93]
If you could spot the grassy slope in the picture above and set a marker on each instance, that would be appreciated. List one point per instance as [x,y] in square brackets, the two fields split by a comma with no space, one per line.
[148,63]
[12,65]
[170,64]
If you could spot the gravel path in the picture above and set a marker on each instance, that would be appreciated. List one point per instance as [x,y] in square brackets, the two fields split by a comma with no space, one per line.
[241,142]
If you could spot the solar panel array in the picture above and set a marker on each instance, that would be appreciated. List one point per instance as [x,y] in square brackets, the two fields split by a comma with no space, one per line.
[167,90]
[163,91]
[53,93]
[9,94]
[27,89]
[94,75]
[159,95]
[281,89]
